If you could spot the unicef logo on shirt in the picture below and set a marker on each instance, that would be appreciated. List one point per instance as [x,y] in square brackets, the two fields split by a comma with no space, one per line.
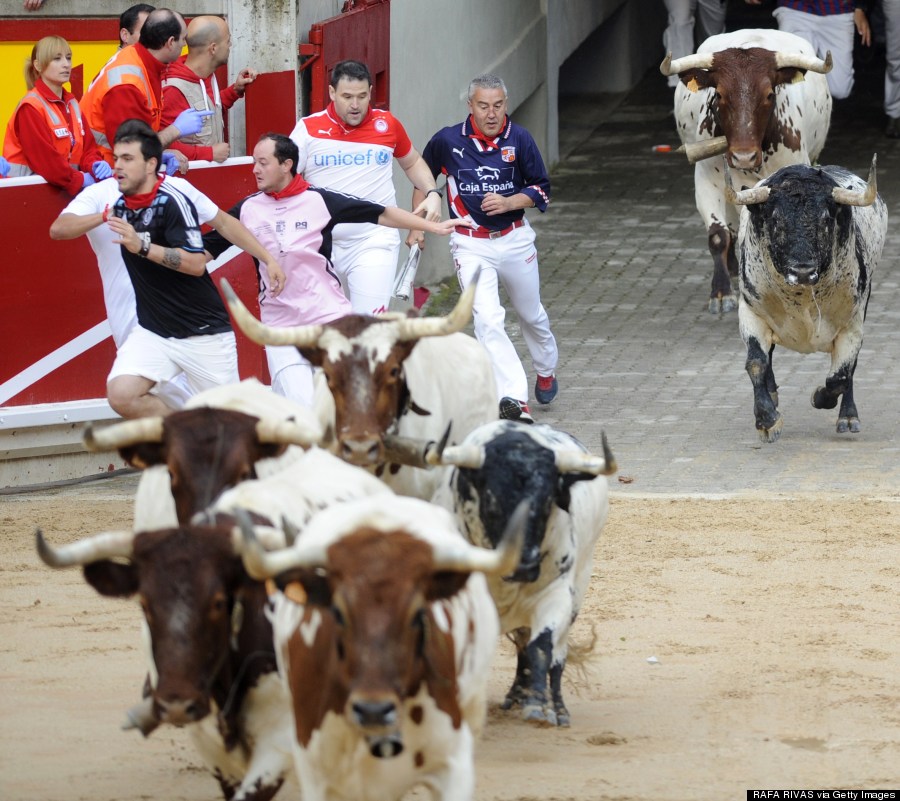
[383,157]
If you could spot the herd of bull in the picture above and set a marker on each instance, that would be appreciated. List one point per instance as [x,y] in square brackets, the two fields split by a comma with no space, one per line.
[323,589]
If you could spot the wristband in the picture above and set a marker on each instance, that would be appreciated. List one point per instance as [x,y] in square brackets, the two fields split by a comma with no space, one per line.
[436,191]
[106,213]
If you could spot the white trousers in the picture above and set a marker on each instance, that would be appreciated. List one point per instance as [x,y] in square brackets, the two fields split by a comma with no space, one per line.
[891,10]
[834,33]
[678,37]
[510,261]
[367,266]
[290,373]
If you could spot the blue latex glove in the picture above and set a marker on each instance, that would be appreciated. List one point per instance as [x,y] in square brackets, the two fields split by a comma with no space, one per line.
[88,180]
[101,170]
[4,167]
[170,162]
[190,121]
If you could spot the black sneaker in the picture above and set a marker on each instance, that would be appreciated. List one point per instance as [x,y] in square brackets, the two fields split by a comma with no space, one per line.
[511,409]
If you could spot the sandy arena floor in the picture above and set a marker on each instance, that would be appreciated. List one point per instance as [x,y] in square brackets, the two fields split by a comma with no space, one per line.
[777,638]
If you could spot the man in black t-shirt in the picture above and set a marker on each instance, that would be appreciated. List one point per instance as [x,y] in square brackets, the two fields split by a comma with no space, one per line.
[182,323]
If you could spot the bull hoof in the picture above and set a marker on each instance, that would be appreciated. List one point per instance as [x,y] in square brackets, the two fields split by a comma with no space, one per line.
[822,399]
[773,432]
[539,715]
[722,305]
[514,698]
[563,719]
[845,424]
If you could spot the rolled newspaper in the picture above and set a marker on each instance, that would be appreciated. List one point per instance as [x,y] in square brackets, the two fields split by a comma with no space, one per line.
[406,276]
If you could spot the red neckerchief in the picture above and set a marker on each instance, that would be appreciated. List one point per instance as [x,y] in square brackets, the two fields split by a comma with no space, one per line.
[295,187]
[135,202]
[489,144]
[333,116]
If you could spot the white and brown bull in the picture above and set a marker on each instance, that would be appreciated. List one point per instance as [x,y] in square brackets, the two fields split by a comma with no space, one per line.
[223,436]
[392,381]
[496,467]
[810,239]
[384,631]
[761,98]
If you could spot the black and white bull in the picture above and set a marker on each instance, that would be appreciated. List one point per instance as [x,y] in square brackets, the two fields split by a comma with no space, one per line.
[496,467]
[809,241]
[761,98]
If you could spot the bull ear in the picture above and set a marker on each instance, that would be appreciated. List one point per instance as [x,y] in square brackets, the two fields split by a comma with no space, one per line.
[314,355]
[144,454]
[269,450]
[316,587]
[695,80]
[445,584]
[564,487]
[787,75]
[113,579]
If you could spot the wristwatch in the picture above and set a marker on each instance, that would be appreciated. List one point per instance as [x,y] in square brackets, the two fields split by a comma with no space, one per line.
[145,244]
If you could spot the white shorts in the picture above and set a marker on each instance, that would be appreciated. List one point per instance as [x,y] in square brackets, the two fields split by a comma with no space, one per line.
[206,361]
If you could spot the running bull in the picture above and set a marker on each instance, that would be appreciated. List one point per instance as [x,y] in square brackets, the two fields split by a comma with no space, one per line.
[809,241]
[761,98]
[495,468]
[384,631]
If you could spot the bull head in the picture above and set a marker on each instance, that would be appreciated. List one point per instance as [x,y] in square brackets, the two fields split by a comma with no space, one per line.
[206,449]
[362,358]
[514,465]
[190,583]
[743,103]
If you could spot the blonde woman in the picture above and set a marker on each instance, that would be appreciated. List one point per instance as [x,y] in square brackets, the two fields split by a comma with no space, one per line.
[47,135]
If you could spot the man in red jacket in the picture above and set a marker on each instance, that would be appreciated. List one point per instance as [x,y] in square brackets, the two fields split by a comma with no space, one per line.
[130,85]
[190,82]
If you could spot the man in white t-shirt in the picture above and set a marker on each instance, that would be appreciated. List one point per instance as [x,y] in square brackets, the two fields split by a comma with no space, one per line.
[84,215]
[350,147]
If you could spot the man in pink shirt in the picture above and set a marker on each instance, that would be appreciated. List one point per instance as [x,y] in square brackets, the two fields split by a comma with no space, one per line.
[294,221]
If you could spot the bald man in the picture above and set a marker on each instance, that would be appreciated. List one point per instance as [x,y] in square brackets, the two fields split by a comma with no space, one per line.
[191,83]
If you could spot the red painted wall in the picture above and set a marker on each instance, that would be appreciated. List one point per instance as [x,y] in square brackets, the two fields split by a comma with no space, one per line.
[50,292]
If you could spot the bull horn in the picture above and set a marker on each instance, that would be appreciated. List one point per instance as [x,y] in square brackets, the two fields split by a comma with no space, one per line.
[262,565]
[471,456]
[288,432]
[803,62]
[262,334]
[418,327]
[415,452]
[697,61]
[850,197]
[120,435]
[580,462]
[707,149]
[746,197]
[101,546]
[501,561]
